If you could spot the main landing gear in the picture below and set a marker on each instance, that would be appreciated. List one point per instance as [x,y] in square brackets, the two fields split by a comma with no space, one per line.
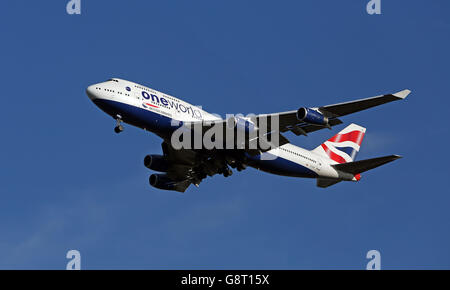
[227,171]
[119,127]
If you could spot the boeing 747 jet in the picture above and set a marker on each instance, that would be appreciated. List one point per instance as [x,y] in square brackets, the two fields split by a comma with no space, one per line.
[197,144]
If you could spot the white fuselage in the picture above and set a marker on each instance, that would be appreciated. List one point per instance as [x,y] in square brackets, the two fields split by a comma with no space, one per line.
[155,111]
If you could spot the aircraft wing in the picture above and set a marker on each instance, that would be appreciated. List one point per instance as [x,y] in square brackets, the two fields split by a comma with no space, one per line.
[182,168]
[190,166]
[257,142]
[288,121]
[342,109]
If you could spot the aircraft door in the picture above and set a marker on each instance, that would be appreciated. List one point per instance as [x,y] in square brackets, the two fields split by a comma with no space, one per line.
[318,164]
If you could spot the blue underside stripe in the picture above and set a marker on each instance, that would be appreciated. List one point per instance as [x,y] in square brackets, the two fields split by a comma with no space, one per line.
[137,116]
[281,166]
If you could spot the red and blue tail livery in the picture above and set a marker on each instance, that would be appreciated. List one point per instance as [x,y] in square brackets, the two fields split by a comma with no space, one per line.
[343,146]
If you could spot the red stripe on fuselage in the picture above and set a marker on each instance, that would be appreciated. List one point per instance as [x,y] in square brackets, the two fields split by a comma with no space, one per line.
[353,136]
[151,105]
[333,155]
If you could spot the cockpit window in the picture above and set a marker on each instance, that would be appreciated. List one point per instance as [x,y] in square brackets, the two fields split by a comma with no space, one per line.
[112,80]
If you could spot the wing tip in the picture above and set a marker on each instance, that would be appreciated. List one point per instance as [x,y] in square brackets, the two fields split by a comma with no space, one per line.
[402,94]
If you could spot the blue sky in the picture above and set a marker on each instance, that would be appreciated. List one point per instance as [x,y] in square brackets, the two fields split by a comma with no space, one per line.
[68,182]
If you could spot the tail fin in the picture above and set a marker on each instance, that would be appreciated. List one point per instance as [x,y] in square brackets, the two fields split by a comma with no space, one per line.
[344,146]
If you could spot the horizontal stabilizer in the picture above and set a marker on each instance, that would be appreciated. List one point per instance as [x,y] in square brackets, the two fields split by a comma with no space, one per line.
[364,165]
[325,182]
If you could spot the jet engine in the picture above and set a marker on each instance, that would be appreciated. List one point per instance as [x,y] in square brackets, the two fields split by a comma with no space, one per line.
[162,181]
[156,162]
[311,116]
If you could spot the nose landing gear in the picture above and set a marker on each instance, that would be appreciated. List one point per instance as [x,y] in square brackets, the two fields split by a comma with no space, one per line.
[119,127]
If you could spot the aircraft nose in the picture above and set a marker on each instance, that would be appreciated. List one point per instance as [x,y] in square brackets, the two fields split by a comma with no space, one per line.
[90,91]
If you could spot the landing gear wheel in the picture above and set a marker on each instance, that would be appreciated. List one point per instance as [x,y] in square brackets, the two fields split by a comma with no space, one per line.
[241,167]
[118,129]
[227,172]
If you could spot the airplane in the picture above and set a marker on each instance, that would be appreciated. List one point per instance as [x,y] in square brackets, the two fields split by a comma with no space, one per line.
[331,162]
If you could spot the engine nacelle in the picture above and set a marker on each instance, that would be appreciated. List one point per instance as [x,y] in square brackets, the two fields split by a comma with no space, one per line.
[311,116]
[156,162]
[162,181]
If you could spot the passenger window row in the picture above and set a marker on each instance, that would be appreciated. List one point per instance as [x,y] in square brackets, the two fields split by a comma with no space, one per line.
[112,91]
[153,92]
[298,154]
